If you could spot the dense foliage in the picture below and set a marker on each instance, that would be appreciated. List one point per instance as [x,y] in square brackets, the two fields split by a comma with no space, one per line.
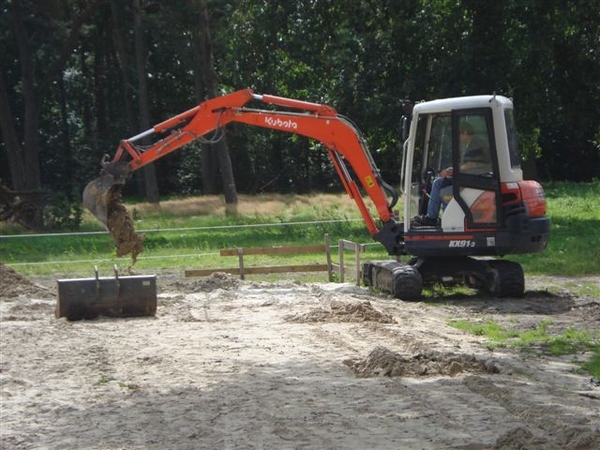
[69,82]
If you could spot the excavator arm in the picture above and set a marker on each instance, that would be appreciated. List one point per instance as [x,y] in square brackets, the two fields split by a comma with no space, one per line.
[344,143]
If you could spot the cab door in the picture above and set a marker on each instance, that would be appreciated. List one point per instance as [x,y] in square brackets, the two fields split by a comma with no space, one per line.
[475,188]
[432,152]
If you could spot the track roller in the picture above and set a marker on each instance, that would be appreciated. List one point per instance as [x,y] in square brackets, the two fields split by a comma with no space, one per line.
[505,279]
[400,280]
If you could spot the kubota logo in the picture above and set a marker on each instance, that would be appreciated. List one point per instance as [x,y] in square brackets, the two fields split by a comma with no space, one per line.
[289,124]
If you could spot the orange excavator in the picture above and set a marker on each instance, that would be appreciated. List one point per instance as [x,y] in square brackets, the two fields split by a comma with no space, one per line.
[490,213]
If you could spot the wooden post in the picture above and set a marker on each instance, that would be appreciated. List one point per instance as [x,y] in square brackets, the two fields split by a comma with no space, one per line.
[341,259]
[360,248]
[357,250]
[240,252]
[328,256]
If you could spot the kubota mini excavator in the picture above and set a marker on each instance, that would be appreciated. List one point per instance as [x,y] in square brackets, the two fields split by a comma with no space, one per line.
[488,212]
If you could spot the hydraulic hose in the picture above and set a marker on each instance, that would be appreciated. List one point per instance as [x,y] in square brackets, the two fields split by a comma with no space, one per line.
[390,190]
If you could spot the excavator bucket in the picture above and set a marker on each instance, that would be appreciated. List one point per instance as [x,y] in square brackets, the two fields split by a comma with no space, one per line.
[102,197]
[118,296]
[99,193]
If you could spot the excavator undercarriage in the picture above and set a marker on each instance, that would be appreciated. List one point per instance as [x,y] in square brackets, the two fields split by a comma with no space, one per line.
[499,278]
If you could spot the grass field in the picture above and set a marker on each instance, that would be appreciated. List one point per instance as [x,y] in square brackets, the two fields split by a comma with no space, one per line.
[188,233]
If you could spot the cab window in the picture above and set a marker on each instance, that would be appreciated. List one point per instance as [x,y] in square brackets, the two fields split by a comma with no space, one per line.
[512,136]
[474,149]
[440,143]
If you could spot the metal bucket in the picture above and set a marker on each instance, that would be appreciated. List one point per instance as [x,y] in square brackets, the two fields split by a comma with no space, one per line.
[117,296]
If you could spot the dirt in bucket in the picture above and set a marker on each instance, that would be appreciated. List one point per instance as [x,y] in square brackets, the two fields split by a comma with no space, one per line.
[121,227]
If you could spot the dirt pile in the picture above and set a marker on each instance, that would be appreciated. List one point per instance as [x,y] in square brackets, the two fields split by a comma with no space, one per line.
[12,284]
[217,280]
[344,312]
[382,362]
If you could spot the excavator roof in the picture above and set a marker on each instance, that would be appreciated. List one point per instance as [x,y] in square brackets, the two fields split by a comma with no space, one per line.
[474,101]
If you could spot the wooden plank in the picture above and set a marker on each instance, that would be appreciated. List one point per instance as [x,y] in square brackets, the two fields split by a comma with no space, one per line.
[349,245]
[285,269]
[207,272]
[242,270]
[263,269]
[273,250]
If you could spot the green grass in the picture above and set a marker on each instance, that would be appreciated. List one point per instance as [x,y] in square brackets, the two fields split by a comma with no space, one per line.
[188,234]
[584,288]
[593,364]
[571,341]
[572,251]
[496,334]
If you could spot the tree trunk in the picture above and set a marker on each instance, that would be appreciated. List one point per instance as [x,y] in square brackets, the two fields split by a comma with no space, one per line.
[96,118]
[27,177]
[11,138]
[123,58]
[124,65]
[210,82]
[147,181]
[143,99]
[28,155]
[69,162]
[210,163]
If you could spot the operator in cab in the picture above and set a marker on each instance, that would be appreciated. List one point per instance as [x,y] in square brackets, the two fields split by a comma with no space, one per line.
[476,160]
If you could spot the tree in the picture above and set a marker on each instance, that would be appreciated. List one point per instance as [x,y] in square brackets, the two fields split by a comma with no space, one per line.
[208,82]
[22,145]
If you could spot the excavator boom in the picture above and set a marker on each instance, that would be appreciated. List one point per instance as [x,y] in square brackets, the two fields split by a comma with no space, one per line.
[345,146]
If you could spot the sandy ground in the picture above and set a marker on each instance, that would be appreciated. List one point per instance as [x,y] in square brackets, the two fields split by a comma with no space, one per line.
[227,364]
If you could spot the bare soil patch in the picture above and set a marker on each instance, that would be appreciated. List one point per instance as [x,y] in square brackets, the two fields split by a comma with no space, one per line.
[238,364]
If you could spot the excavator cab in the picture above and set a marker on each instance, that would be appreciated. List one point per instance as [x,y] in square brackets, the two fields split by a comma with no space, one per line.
[461,143]
[485,209]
